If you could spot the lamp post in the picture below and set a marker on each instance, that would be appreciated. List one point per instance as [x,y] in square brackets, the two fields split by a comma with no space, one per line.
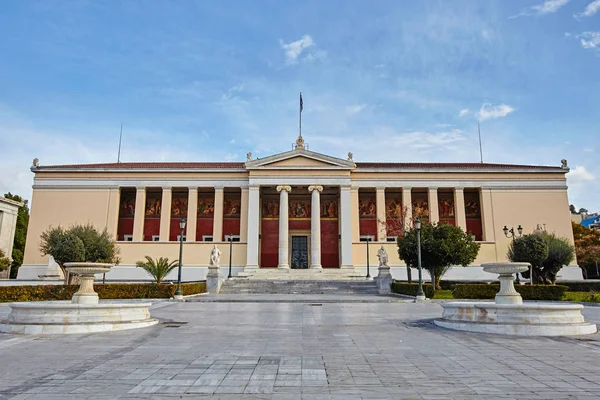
[420,293]
[510,233]
[178,292]
[230,252]
[368,271]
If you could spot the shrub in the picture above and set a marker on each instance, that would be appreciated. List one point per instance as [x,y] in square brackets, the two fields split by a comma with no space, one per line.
[107,291]
[582,286]
[528,292]
[410,289]
[4,261]
[158,269]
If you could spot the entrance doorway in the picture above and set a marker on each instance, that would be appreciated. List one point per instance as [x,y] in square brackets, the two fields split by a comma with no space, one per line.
[299,258]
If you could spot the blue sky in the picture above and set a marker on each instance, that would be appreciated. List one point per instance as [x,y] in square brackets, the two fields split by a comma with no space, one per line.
[386,80]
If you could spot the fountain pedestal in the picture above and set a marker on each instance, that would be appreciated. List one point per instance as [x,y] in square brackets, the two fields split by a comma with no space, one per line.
[83,314]
[509,316]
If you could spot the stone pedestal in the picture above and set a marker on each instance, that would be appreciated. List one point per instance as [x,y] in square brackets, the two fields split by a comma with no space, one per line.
[507,293]
[52,272]
[85,294]
[213,280]
[384,280]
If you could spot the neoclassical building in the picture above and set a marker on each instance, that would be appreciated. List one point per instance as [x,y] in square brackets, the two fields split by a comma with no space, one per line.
[298,209]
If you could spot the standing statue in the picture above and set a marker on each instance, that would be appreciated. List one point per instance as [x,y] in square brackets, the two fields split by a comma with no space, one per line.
[248,156]
[215,256]
[383,257]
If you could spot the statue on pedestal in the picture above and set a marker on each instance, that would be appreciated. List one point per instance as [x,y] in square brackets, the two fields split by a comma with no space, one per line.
[215,256]
[382,255]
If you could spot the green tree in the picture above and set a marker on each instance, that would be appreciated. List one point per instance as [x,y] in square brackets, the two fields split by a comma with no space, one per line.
[79,243]
[4,261]
[159,268]
[530,248]
[20,233]
[442,246]
[587,248]
[560,253]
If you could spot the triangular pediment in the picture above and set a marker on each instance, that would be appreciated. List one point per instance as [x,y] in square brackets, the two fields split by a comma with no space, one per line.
[300,159]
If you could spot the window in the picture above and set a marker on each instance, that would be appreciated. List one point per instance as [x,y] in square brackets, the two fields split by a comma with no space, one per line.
[234,238]
[128,238]
[155,238]
[179,238]
[367,238]
[207,238]
[390,239]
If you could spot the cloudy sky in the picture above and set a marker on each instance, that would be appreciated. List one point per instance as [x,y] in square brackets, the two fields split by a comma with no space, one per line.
[386,80]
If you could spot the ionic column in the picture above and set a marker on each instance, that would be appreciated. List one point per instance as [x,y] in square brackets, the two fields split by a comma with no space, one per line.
[112,217]
[218,215]
[315,226]
[459,208]
[244,216]
[139,214]
[354,214]
[407,206]
[253,227]
[381,217]
[192,215]
[283,226]
[165,215]
[346,227]
[434,213]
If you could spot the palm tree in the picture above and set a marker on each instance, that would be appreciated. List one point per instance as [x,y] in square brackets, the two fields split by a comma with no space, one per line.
[159,268]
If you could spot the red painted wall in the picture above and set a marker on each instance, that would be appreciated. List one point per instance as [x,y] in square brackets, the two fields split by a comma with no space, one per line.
[368,226]
[175,230]
[125,228]
[204,226]
[269,243]
[329,244]
[474,226]
[299,224]
[230,226]
[449,221]
[151,227]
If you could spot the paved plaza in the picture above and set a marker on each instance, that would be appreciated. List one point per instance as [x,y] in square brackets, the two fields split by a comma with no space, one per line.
[302,349]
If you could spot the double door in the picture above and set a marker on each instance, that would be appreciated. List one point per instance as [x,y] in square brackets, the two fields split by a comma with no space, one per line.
[299,251]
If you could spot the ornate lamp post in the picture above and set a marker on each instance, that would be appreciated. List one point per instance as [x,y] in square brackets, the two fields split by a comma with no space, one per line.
[368,271]
[510,233]
[230,252]
[420,293]
[178,292]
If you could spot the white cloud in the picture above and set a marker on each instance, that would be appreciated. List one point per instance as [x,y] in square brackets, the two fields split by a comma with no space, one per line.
[592,42]
[464,112]
[590,10]
[489,111]
[579,174]
[355,109]
[547,7]
[294,49]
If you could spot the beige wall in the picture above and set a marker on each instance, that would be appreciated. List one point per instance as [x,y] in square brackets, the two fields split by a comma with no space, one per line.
[53,207]
[196,253]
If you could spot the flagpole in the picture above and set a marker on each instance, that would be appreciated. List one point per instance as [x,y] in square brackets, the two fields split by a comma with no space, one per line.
[300,115]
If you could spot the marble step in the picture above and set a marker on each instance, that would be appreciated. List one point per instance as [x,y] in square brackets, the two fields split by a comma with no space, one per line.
[233,286]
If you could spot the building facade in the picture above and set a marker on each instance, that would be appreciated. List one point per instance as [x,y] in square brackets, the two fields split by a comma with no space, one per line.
[298,209]
[9,210]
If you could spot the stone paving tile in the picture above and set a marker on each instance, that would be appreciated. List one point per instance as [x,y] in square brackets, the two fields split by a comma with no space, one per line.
[295,351]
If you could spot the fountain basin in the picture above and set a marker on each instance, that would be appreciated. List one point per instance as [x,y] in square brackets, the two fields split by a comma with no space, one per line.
[60,317]
[87,272]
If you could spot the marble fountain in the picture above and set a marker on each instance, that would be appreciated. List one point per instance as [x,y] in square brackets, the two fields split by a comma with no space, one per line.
[84,314]
[508,315]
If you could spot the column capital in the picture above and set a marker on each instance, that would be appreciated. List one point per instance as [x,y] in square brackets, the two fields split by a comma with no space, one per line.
[219,188]
[459,189]
[406,188]
[315,187]
[192,189]
[140,188]
[287,188]
[380,189]
[167,188]
[433,188]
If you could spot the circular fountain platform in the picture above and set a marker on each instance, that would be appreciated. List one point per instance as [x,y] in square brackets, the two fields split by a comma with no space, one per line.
[529,319]
[61,317]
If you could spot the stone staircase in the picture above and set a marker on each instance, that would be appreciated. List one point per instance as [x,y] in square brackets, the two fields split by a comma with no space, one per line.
[299,286]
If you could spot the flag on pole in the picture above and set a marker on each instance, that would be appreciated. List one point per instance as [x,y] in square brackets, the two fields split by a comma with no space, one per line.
[301,103]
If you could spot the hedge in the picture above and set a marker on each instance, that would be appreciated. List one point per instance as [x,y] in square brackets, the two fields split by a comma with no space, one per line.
[410,289]
[528,292]
[107,291]
[582,286]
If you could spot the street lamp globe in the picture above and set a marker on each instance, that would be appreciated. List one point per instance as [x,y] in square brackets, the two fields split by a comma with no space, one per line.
[182,223]
[418,223]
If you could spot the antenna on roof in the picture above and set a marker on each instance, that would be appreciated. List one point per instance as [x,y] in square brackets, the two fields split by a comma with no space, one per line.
[480,149]
[120,137]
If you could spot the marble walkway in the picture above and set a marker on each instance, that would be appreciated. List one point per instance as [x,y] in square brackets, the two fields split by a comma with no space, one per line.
[298,350]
